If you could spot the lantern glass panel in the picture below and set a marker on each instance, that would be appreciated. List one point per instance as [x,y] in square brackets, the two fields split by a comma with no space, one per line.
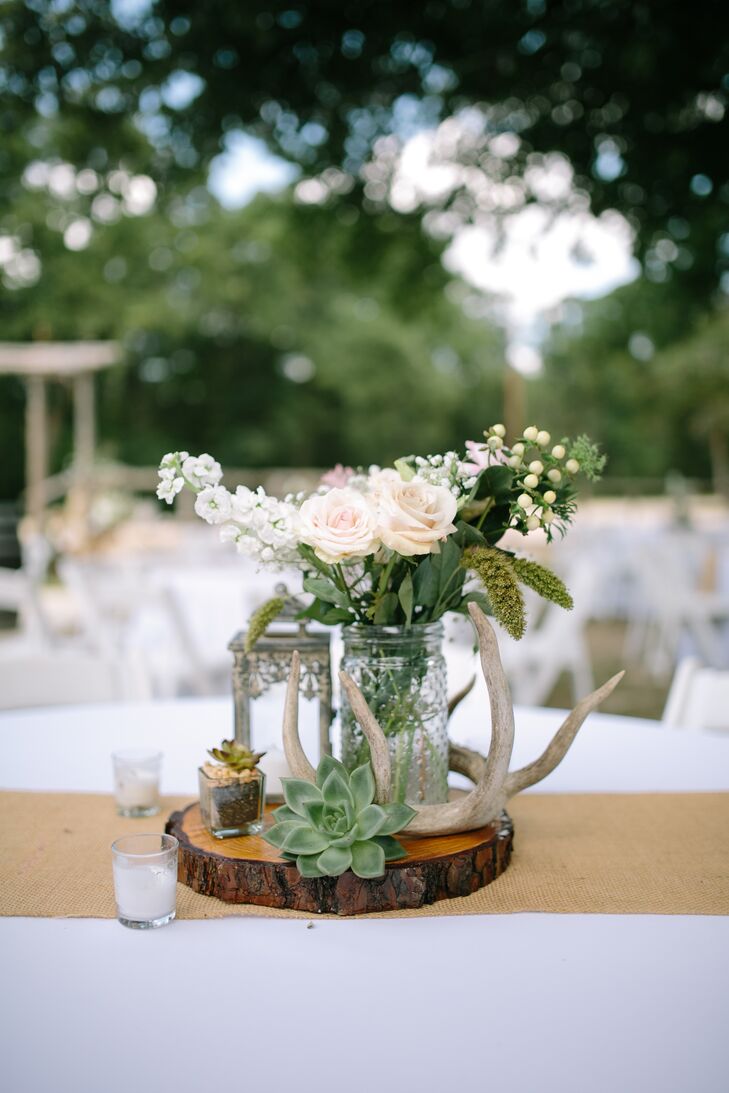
[260,676]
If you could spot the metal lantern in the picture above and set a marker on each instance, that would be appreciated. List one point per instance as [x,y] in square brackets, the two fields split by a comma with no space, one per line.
[269,662]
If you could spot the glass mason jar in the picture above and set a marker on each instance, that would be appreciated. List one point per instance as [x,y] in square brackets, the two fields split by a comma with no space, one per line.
[402,674]
[231,803]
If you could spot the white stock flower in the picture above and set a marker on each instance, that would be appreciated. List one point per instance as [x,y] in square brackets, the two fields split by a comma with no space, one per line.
[171,481]
[201,470]
[213,504]
[173,459]
[340,524]
[230,533]
[263,528]
[248,546]
[169,486]
[414,516]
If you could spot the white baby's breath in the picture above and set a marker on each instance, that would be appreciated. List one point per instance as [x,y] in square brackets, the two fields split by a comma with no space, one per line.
[447,471]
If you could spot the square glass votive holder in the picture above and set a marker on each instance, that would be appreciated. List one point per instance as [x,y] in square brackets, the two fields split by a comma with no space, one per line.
[145,880]
[231,803]
[136,782]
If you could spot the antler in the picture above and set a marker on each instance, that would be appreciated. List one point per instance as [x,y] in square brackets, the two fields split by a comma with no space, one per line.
[379,751]
[299,765]
[493,783]
[459,696]
[561,741]
[487,799]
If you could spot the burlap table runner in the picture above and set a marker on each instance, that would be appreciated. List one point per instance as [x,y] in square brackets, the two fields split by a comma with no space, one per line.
[576,853]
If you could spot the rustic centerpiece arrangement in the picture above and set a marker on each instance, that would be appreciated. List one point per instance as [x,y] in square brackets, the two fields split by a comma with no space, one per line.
[385,553]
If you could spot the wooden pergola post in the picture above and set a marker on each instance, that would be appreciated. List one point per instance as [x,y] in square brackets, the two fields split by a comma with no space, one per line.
[36,446]
[38,363]
[84,439]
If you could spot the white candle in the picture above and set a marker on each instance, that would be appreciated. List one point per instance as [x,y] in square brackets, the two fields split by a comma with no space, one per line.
[145,893]
[275,767]
[137,788]
[145,879]
[136,782]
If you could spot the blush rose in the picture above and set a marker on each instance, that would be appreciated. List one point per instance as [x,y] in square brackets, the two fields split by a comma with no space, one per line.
[339,525]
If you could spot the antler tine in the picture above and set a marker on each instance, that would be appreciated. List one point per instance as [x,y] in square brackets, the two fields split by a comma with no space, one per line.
[560,744]
[487,798]
[295,756]
[466,761]
[379,751]
[459,696]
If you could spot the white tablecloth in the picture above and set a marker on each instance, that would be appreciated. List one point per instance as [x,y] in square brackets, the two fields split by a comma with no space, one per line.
[525,1003]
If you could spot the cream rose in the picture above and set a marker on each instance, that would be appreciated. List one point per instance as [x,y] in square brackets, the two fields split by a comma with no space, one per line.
[339,524]
[414,516]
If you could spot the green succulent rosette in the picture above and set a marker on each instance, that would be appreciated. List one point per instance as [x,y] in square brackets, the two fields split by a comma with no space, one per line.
[236,756]
[334,825]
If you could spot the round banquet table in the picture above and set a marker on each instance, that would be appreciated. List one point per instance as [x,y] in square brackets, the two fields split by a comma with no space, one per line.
[529,1003]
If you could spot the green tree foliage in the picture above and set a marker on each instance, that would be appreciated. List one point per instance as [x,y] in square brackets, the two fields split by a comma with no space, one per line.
[273,336]
[649,384]
[241,328]
[633,94]
[701,405]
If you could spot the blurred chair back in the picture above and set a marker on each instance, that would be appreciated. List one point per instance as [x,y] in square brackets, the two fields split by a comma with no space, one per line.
[20,592]
[69,678]
[555,643]
[699,698]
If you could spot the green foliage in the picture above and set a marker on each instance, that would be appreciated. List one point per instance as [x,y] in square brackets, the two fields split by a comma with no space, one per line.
[491,506]
[321,87]
[236,756]
[261,619]
[500,573]
[334,825]
[543,582]
[700,407]
[496,572]
[592,461]
[213,339]
[640,366]
[213,306]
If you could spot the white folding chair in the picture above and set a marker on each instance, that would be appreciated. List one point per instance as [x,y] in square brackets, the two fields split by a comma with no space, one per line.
[671,605]
[20,594]
[699,698]
[64,678]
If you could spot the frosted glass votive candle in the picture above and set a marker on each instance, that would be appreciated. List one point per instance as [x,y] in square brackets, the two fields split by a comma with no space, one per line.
[136,782]
[145,880]
[275,767]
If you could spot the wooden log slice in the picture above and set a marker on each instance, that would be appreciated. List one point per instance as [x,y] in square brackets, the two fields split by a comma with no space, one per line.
[248,870]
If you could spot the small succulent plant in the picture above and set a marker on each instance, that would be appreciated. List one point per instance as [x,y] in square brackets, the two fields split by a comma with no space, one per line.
[334,826]
[235,756]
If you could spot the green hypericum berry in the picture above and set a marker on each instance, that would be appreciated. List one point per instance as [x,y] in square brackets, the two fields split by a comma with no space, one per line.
[334,825]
